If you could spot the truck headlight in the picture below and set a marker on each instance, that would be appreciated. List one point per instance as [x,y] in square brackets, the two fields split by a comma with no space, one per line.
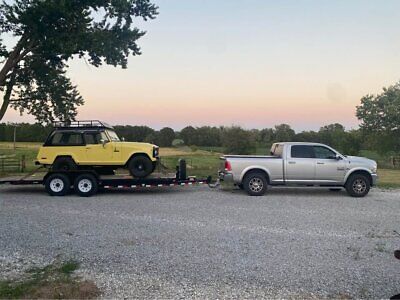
[374,169]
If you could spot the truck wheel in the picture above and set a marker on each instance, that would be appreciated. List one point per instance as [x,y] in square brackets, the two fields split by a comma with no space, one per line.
[255,184]
[57,185]
[86,185]
[140,166]
[358,185]
[64,164]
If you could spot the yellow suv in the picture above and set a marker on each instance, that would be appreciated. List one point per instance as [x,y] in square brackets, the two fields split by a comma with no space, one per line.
[95,145]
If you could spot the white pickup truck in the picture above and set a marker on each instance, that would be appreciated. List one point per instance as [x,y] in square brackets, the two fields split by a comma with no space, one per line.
[301,164]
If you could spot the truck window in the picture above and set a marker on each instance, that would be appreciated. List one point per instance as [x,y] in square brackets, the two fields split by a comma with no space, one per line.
[324,153]
[302,151]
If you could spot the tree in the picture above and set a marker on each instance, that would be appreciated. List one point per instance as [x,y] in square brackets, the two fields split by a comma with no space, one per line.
[165,137]
[50,33]
[284,133]
[380,116]
[236,140]
[189,135]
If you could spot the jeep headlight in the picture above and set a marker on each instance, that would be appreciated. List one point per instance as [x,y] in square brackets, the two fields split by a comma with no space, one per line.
[155,151]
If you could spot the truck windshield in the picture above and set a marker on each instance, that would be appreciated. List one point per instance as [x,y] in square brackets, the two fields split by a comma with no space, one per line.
[113,136]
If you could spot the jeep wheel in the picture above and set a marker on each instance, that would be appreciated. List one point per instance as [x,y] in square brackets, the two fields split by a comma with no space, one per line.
[255,184]
[140,166]
[64,164]
[57,185]
[358,185]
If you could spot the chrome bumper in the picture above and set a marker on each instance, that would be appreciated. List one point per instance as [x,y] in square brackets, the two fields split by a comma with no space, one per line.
[225,177]
[374,179]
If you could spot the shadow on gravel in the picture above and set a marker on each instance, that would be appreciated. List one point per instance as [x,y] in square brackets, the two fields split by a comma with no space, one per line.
[294,191]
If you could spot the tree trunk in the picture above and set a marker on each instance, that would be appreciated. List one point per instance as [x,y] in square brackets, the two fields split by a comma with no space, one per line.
[7,96]
[13,59]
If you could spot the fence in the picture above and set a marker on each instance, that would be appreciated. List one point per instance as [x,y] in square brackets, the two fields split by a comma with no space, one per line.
[395,161]
[11,163]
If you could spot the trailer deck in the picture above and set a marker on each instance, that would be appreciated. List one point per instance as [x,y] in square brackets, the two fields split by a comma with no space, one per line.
[86,182]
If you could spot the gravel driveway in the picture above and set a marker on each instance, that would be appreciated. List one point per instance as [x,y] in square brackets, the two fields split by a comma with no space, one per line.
[196,242]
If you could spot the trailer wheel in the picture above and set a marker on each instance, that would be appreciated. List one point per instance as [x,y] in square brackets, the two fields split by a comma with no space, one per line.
[255,184]
[86,185]
[57,185]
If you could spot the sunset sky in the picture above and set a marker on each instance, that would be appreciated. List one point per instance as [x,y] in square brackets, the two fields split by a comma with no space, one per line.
[254,63]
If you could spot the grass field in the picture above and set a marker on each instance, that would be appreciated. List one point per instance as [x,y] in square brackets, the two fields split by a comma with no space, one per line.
[201,162]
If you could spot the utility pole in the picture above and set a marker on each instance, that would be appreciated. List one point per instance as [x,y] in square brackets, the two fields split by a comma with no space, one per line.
[15,135]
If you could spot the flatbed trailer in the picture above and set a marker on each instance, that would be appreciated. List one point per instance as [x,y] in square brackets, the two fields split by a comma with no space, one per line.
[86,183]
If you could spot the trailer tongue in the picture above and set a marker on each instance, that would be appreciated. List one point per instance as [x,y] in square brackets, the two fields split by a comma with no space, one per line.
[87,182]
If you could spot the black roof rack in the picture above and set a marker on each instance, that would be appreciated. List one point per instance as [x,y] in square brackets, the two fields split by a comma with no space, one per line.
[81,124]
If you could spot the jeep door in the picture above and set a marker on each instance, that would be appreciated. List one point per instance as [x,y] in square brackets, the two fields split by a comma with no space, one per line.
[98,153]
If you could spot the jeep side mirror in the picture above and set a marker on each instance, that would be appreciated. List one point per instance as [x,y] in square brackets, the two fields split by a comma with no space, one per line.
[103,142]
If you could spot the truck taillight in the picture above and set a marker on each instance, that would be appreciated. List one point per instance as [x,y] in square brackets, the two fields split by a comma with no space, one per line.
[228,166]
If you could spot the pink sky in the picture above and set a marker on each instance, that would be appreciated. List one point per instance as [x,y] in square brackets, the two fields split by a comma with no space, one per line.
[252,65]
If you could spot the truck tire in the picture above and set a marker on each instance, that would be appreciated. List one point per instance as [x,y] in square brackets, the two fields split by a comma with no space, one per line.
[57,185]
[255,183]
[140,166]
[86,185]
[64,164]
[358,185]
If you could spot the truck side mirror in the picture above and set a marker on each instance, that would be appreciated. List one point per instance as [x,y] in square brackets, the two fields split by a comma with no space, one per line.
[338,157]
[123,139]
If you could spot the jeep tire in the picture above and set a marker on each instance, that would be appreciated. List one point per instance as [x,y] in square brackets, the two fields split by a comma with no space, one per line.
[140,166]
[64,164]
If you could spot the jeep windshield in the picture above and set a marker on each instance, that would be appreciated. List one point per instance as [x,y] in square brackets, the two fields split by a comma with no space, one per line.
[113,136]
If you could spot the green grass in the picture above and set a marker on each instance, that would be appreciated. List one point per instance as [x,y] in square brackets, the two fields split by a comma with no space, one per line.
[55,281]
[197,165]
[29,150]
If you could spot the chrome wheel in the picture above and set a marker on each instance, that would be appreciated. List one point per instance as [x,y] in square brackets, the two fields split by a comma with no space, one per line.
[56,185]
[359,186]
[256,184]
[85,185]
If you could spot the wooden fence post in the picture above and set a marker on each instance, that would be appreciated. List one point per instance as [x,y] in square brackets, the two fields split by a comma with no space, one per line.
[23,163]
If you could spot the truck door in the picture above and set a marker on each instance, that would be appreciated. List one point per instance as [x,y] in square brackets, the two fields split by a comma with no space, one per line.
[300,164]
[329,169]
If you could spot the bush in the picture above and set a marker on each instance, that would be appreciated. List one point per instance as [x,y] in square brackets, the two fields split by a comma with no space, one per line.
[178,143]
[236,140]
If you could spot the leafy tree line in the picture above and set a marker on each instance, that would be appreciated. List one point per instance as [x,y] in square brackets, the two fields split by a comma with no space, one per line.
[232,139]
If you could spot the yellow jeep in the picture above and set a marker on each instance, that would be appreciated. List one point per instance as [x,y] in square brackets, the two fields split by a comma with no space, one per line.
[95,145]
